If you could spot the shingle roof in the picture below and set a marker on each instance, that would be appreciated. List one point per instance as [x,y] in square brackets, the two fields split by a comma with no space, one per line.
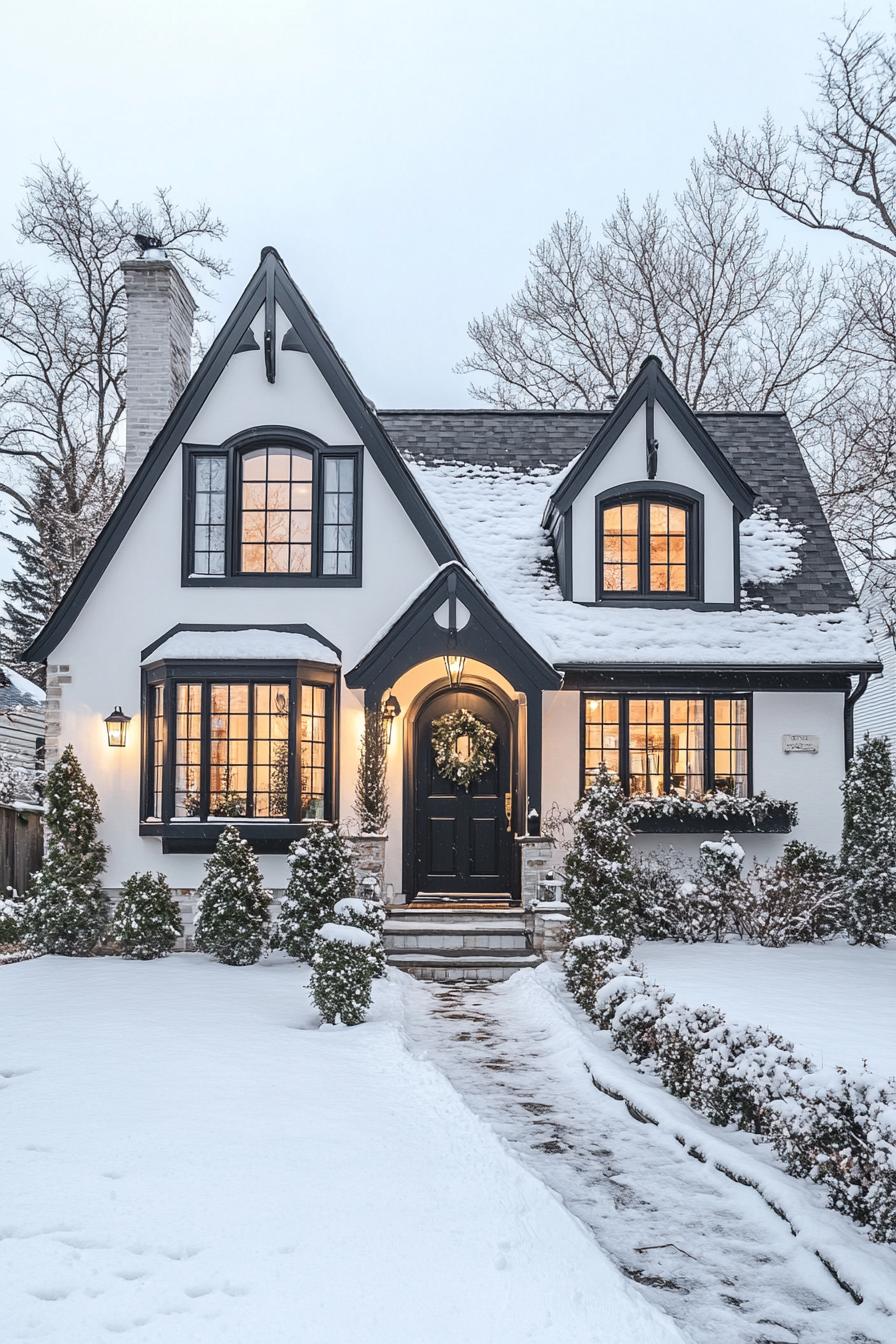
[761,447]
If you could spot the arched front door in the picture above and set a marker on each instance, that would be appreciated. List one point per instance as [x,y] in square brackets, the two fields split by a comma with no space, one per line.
[462,837]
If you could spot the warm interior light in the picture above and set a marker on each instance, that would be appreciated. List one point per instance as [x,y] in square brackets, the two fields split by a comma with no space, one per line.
[390,712]
[117,727]
[454,666]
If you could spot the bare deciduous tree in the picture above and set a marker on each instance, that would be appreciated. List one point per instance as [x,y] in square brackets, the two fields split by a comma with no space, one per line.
[62,385]
[738,324]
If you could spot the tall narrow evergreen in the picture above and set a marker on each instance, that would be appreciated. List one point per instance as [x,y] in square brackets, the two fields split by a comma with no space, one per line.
[371,797]
[868,853]
[599,881]
[66,910]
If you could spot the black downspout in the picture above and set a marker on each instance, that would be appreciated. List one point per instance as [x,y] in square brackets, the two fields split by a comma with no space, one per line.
[848,704]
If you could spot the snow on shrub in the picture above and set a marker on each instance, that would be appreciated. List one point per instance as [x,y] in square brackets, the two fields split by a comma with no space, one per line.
[343,965]
[796,899]
[232,904]
[867,860]
[598,867]
[370,916]
[11,912]
[662,884]
[146,922]
[66,910]
[839,1130]
[321,874]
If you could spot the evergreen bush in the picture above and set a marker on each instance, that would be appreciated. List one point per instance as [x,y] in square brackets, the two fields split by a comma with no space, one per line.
[796,899]
[588,962]
[231,903]
[718,893]
[598,877]
[868,852]
[66,910]
[146,922]
[321,873]
[371,796]
[369,916]
[10,920]
[342,969]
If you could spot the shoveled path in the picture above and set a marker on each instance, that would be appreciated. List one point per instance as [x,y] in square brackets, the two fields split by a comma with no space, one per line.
[708,1251]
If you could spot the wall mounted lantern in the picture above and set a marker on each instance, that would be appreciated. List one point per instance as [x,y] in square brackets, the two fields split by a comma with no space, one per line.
[390,712]
[454,666]
[117,727]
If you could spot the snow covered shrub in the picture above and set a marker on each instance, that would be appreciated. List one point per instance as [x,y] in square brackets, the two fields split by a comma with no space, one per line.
[657,883]
[146,922]
[681,1033]
[10,919]
[841,1131]
[598,867]
[713,900]
[588,962]
[17,782]
[231,903]
[634,1023]
[321,873]
[868,853]
[626,981]
[794,900]
[66,910]
[739,1072]
[369,916]
[343,965]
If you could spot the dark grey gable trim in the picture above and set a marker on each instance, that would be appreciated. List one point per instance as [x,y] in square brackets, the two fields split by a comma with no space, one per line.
[271,273]
[651,382]
[411,640]
[291,341]
[252,625]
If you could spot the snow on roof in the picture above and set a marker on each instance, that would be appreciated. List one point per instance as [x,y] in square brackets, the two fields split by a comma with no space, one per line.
[769,547]
[494,514]
[23,685]
[245,644]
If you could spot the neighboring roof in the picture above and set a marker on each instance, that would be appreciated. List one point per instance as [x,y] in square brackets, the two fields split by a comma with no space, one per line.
[413,635]
[271,286]
[496,512]
[244,643]
[17,690]
[760,446]
[648,388]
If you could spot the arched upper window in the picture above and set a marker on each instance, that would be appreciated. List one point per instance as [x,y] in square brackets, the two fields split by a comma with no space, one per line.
[647,546]
[272,505]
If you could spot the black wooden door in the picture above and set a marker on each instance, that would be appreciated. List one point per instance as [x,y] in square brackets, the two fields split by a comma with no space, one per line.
[462,836]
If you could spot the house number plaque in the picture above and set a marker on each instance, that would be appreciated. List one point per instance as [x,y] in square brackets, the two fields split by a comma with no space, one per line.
[807,742]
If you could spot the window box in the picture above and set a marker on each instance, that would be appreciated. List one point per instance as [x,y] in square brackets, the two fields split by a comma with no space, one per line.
[670,813]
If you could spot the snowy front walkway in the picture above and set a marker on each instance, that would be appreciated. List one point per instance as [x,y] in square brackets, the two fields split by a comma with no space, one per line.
[706,1249]
[187,1158]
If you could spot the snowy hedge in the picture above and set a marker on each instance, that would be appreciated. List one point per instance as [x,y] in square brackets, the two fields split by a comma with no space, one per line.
[713,810]
[834,1127]
[343,964]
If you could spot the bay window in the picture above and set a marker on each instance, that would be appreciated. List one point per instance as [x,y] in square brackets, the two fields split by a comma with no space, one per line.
[251,744]
[669,743]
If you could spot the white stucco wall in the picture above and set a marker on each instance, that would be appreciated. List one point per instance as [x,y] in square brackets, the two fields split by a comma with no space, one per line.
[140,596]
[810,781]
[678,464]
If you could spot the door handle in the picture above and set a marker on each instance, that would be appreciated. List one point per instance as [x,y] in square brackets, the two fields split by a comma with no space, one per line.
[508,810]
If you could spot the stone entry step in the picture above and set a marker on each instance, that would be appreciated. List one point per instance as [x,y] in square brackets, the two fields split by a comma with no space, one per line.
[449,944]
[469,965]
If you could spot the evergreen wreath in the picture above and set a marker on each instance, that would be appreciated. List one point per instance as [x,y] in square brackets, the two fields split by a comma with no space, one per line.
[463,770]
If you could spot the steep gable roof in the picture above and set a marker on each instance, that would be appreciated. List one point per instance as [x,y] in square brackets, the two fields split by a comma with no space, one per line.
[271,285]
[760,446]
[651,386]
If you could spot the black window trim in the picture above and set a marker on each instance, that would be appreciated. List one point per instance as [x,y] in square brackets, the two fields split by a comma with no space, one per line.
[233,449]
[189,835]
[707,696]
[644,493]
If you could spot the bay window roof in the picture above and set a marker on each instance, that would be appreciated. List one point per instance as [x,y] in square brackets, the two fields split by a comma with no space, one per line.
[244,644]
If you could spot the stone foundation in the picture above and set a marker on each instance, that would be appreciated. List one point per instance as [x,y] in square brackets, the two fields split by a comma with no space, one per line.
[535,864]
[369,860]
[546,925]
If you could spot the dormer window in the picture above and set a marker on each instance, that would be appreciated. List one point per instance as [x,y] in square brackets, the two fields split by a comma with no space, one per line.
[646,547]
[271,506]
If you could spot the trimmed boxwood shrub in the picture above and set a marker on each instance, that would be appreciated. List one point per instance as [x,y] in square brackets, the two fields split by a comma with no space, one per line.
[321,874]
[369,916]
[343,966]
[146,922]
[232,904]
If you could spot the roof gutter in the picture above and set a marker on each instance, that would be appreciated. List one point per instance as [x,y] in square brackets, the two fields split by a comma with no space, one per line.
[849,704]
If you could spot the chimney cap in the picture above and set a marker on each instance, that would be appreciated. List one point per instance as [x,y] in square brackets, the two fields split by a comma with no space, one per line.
[150,244]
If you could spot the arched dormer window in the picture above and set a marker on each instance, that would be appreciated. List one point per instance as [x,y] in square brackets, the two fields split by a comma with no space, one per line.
[271,506]
[648,544]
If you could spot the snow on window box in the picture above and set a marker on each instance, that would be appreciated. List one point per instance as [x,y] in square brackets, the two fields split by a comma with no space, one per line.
[715,811]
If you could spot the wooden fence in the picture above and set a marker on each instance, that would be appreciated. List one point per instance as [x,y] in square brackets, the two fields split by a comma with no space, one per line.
[21,847]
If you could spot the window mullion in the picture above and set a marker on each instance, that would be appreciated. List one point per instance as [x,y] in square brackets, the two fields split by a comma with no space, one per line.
[709,778]
[643,548]
[623,744]
[293,756]
[250,750]
[205,750]
[667,742]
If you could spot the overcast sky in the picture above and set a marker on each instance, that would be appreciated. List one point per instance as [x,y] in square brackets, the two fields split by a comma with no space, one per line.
[403,156]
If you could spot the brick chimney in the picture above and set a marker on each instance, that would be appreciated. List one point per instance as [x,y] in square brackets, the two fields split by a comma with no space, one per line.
[160,333]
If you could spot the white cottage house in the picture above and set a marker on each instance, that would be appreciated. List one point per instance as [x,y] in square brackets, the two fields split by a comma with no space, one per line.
[647,587]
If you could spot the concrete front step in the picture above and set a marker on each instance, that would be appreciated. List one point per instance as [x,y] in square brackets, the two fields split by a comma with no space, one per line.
[453,915]
[439,939]
[461,966]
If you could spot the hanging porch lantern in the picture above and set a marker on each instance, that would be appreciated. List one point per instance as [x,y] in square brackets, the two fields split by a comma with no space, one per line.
[454,666]
[390,712]
[117,727]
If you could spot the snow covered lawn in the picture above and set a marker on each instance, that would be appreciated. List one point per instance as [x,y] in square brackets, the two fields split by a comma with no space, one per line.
[189,1158]
[835,1002]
